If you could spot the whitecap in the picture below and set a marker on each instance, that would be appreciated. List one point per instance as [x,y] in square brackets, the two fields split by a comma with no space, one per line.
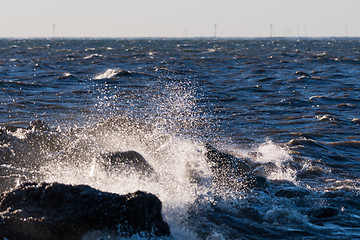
[111,73]
[95,55]
[325,117]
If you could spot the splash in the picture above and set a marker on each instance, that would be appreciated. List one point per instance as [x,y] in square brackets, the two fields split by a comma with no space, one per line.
[277,159]
[182,173]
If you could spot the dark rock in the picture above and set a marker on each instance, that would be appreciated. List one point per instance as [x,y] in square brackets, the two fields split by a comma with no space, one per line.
[129,160]
[5,138]
[27,147]
[59,211]
[292,192]
[302,73]
[256,182]
[324,212]
[12,128]
[121,73]
[11,147]
[225,165]
[39,125]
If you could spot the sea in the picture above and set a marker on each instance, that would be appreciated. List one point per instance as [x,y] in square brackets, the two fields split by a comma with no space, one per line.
[289,108]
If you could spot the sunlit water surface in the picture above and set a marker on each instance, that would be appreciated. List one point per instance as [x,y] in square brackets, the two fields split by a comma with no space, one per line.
[290,107]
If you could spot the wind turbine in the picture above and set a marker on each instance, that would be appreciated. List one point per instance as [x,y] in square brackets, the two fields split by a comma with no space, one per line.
[53,30]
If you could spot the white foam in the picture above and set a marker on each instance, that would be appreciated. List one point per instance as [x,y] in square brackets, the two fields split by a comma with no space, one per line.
[95,55]
[270,152]
[109,73]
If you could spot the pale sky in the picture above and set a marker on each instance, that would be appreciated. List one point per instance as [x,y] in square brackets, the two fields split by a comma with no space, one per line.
[174,18]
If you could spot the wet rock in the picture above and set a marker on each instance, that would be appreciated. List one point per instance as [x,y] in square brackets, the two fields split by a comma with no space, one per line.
[38,125]
[11,128]
[324,212]
[129,161]
[302,74]
[42,137]
[256,182]
[59,211]
[11,146]
[121,73]
[24,147]
[225,165]
[292,192]
[250,213]
[5,148]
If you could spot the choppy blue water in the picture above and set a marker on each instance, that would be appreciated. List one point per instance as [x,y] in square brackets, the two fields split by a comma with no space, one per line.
[290,107]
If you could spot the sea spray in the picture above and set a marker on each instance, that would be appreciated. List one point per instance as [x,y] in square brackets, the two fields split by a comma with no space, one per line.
[182,174]
[272,153]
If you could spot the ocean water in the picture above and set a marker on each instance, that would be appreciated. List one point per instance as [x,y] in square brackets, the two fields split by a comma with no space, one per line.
[290,108]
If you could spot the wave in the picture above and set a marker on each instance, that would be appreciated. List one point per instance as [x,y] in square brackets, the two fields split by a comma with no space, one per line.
[93,56]
[199,185]
[112,73]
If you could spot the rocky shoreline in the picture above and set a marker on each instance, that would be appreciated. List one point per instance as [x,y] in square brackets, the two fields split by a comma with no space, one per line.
[58,211]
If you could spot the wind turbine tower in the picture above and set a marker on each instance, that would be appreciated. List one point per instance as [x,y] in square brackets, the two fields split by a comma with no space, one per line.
[271,28]
[297,32]
[53,30]
[215,25]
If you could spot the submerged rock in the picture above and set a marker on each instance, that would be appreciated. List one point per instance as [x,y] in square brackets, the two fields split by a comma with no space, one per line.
[302,74]
[324,212]
[59,211]
[292,192]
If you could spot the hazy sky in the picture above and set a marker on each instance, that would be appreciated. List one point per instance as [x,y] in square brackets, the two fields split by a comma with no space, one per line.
[174,18]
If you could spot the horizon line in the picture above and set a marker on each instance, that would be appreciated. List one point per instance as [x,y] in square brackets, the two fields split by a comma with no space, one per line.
[200,37]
